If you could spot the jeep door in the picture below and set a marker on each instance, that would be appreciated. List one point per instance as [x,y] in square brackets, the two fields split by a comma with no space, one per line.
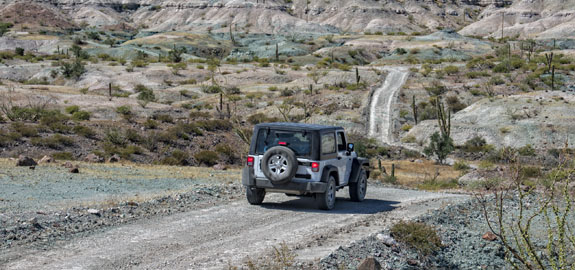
[344,159]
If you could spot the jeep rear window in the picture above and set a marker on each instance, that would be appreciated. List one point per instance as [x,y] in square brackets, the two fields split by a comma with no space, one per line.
[297,141]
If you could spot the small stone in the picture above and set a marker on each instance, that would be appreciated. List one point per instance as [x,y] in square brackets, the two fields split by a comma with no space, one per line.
[68,165]
[489,236]
[412,262]
[25,161]
[74,170]
[386,239]
[46,159]
[219,167]
[93,158]
[93,211]
[113,159]
[369,264]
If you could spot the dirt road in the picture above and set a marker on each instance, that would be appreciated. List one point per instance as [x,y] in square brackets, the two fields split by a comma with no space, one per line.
[215,237]
[380,108]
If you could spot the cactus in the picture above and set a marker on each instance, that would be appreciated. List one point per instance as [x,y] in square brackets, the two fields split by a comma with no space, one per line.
[110,91]
[414,108]
[443,118]
[232,36]
[311,89]
[553,77]
[392,170]
[379,164]
[357,77]
[549,58]
[277,53]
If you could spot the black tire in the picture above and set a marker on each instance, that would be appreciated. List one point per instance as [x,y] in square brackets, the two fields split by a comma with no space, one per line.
[279,164]
[358,189]
[255,195]
[326,200]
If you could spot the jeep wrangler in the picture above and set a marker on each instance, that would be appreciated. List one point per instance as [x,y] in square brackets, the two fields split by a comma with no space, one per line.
[303,160]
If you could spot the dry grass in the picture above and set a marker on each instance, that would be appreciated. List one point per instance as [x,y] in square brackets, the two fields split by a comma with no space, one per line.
[414,174]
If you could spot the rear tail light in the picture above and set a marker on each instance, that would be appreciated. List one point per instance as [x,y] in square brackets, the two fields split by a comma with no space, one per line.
[250,161]
[315,167]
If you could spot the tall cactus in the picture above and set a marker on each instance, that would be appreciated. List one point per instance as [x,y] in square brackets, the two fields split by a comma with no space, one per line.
[357,77]
[232,36]
[414,108]
[277,53]
[553,77]
[549,58]
[443,117]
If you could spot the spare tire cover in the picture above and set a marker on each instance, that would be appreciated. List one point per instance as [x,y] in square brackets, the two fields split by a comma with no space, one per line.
[279,164]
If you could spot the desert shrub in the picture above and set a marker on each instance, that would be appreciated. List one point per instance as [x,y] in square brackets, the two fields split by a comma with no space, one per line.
[55,121]
[287,92]
[56,141]
[406,127]
[476,74]
[526,150]
[214,125]
[504,155]
[81,116]
[400,51]
[475,144]
[146,95]
[133,136]
[176,158]
[63,156]
[451,70]
[115,137]
[151,124]
[416,235]
[440,145]
[199,115]
[24,130]
[496,80]
[182,131]
[455,104]
[72,109]
[409,139]
[460,165]
[436,88]
[502,67]
[73,70]
[364,147]
[226,151]
[530,171]
[211,89]
[207,157]
[261,118]
[164,118]
[125,111]
[84,131]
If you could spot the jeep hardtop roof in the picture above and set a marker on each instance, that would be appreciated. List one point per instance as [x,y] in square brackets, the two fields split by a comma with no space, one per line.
[296,126]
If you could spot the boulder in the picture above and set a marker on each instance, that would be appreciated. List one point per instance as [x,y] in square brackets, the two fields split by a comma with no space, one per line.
[386,239]
[25,161]
[489,236]
[471,177]
[113,159]
[46,160]
[93,158]
[369,264]
[68,165]
[219,167]
[74,170]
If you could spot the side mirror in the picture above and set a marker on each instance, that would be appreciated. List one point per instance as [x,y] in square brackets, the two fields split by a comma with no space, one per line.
[350,147]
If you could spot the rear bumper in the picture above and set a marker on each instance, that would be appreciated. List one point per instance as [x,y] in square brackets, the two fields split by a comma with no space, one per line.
[249,180]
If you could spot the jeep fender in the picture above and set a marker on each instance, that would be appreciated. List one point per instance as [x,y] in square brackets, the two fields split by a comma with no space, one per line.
[248,177]
[327,170]
[356,166]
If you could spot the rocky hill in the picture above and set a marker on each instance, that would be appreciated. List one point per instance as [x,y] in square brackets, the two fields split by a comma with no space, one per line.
[527,19]
[271,16]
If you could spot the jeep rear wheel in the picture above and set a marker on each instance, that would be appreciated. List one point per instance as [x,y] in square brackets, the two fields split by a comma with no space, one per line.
[255,195]
[279,164]
[326,200]
[358,189]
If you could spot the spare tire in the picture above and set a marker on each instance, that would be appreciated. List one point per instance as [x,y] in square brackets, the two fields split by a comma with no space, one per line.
[279,164]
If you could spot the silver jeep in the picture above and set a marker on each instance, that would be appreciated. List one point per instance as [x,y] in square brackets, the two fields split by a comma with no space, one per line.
[304,160]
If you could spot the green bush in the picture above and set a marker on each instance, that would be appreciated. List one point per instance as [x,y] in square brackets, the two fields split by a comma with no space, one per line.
[25,130]
[56,141]
[417,235]
[211,89]
[206,157]
[476,144]
[164,118]
[177,158]
[115,137]
[440,145]
[81,116]
[125,112]
[214,125]
[527,150]
[72,109]
[530,171]
[84,131]
[460,165]
[261,118]
[133,136]
[147,95]
[151,124]
[451,70]
[56,121]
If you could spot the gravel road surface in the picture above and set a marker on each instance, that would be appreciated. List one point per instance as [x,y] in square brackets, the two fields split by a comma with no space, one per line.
[226,234]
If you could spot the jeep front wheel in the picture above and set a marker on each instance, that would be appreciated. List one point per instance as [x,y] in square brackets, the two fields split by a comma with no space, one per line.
[358,189]
[326,200]
[255,195]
